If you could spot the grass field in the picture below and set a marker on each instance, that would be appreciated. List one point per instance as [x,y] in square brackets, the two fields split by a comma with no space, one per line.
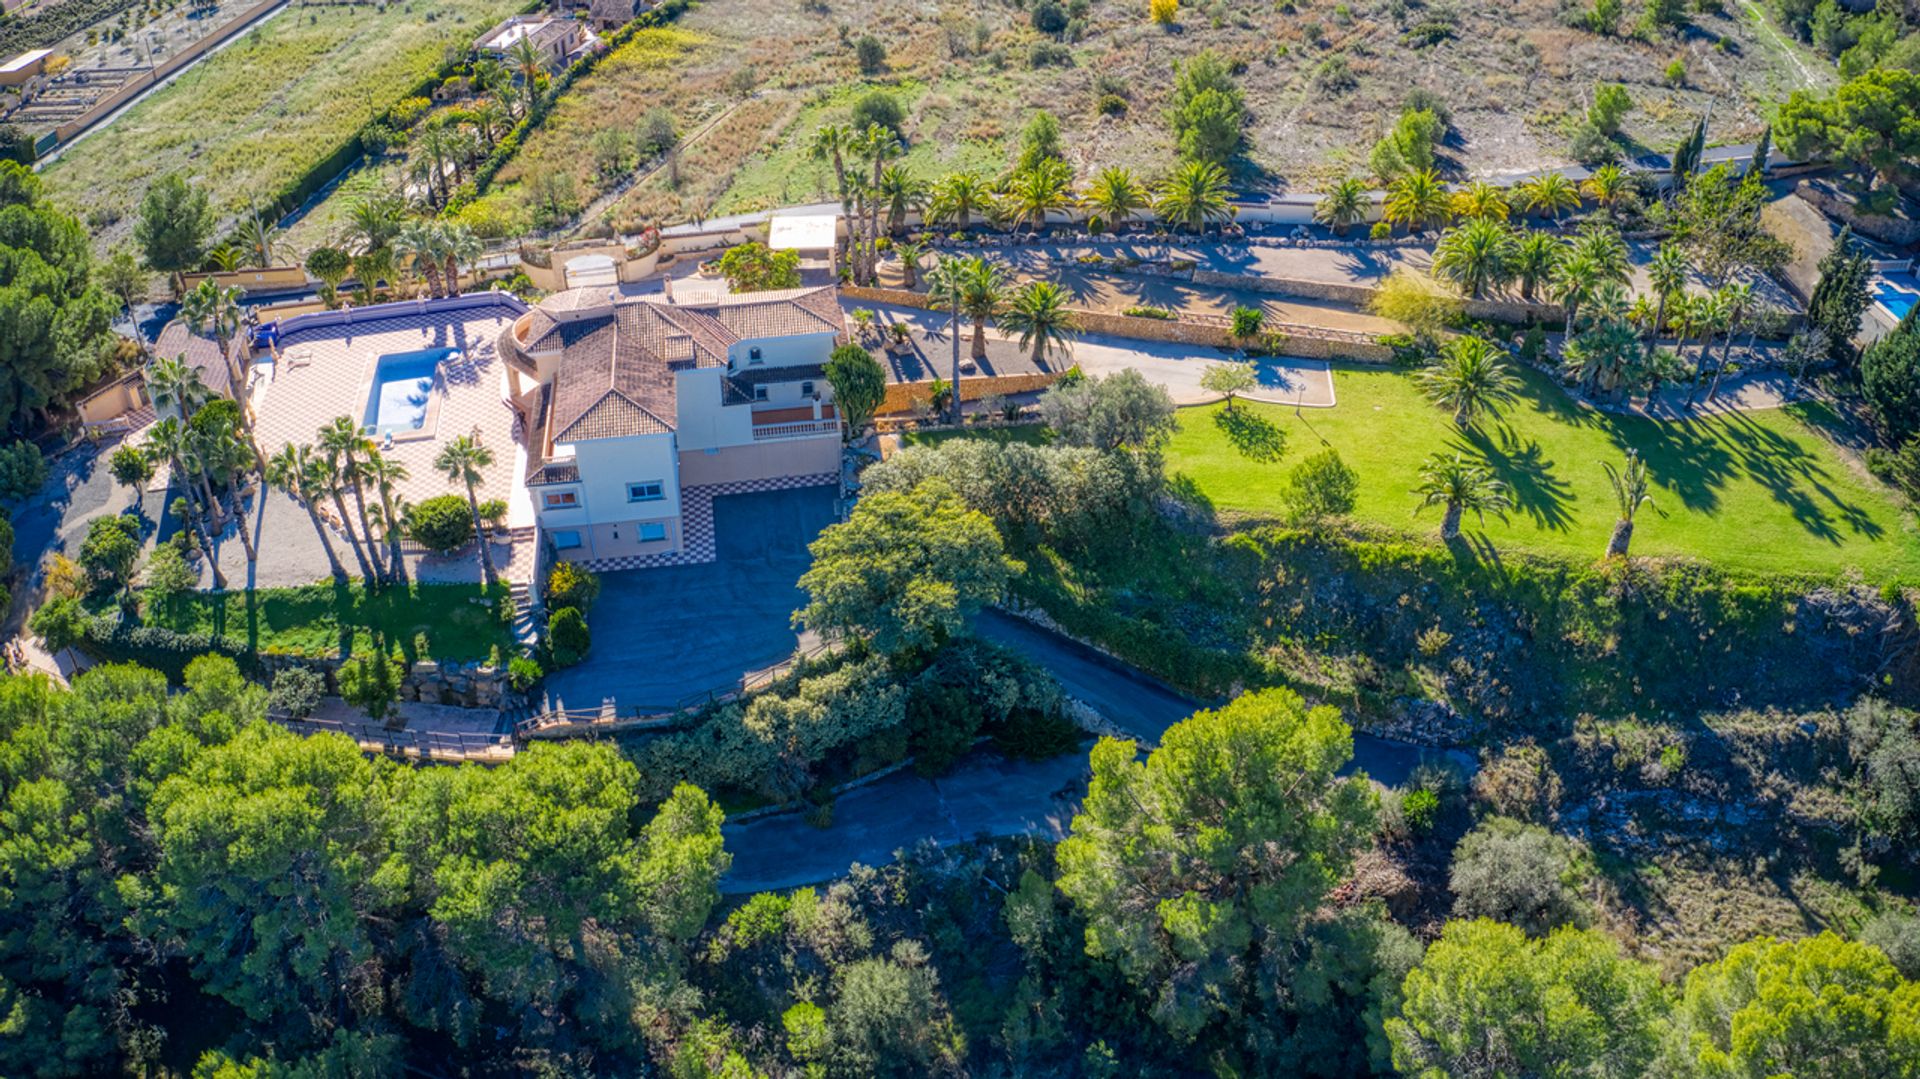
[314,620]
[1758,491]
[259,112]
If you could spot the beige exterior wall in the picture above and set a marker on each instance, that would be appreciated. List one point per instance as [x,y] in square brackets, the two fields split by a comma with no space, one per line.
[114,401]
[271,279]
[761,461]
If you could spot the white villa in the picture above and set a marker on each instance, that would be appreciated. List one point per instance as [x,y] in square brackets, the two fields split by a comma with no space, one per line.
[640,410]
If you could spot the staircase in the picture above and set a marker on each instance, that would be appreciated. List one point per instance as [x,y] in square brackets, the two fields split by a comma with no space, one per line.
[526,614]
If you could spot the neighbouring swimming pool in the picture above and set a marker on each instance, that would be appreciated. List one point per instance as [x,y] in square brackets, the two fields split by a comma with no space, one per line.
[1897,293]
[402,394]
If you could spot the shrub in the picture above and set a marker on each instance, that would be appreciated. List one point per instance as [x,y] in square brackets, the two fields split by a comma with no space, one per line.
[110,550]
[1611,103]
[1320,487]
[371,682]
[870,54]
[1049,17]
[1520,783]
[568,585]
[1049,54]
[1111,105]
[1380,231]
[522,673]
[130,467]
[296,692]
[1420,809]
[1163,12]
[1677,72]
[442,523]
[568,637]
[1149,312]
[166,575]
[1898,935]
[1519,873]
[1247,322]
[879,107]
[23,471]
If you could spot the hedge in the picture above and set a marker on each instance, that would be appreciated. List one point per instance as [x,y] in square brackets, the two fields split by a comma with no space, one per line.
[112,639]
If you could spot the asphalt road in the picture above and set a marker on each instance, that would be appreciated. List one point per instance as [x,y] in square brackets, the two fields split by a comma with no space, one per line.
[988,795]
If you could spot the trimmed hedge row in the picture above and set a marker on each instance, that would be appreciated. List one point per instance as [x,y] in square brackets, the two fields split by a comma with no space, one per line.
[111,638]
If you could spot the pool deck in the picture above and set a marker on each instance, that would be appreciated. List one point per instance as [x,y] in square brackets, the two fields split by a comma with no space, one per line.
[327,371]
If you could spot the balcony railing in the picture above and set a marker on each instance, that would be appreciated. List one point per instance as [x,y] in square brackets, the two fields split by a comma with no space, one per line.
[813,428]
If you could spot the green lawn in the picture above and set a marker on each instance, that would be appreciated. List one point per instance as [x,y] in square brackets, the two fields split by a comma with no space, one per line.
[456,623]
[1760,491]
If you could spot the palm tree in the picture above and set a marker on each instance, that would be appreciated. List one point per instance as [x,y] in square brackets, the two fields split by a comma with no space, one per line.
[1038,313]
[1630,492]
[979,289]
[387,474]
[1739,299]
[346,447]
[528,62]
[1602,243]
[877,145]
[830,143]
[458,246]
[1602,358]
[492,77]
[1574,279]
[1609,186]
[957,198]
[491,120]
[1667,271]
[168,440]
[229,457]
[1550,194]
[1535,256]
[1711,313]
[1458,485]
[372,267]
[1418,200]
[257,238]
[910,252]
[1343,206]
[1470,376]
[418,246]
[1475,255]
[1481,201]
[225,258]
[303,476]
[463,461]
[432,151]
[1115,196]
[373,221]
[215,311]
[1044,187]
[901,192]
[1194,196]
[175,386]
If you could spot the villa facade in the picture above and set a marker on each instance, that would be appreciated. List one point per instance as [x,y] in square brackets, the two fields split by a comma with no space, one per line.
[638,411]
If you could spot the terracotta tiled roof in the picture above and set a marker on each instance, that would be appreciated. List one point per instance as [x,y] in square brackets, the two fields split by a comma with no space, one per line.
[785,313]
[200,352]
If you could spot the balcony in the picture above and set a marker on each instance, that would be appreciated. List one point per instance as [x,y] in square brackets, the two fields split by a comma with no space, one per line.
[773,432]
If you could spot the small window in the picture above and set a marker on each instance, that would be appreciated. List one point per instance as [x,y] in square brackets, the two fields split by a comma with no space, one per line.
[557,500]
[806,389]
[759,393]
[646,491]
[652,531]
[753,355]
[565,540]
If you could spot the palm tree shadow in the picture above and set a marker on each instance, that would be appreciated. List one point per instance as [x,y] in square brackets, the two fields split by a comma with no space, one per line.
[1522,466]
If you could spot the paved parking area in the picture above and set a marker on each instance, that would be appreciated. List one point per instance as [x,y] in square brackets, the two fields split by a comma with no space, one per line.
[661,635]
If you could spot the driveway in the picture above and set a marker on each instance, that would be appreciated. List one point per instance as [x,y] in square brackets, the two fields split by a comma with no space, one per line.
[663,635]
[79,488]
[988,795]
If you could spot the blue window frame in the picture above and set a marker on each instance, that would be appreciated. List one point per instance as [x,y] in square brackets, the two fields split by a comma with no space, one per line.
[565,540]
[646,491]
[652,531]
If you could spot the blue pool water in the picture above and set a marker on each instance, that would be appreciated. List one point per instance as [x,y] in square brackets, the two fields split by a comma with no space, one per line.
[402,388]
[1897,293]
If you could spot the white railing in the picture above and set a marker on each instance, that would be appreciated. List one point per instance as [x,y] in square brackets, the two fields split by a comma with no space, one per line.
[810,429]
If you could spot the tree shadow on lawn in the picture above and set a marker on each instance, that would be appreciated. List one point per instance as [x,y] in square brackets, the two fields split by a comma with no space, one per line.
[1256,437]
[1524,468]
[1796,478]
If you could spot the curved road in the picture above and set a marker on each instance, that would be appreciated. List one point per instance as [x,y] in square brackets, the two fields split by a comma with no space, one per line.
[988,795]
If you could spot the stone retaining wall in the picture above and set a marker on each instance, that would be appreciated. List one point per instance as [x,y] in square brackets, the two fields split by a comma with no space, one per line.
[1361,296]
[463,685]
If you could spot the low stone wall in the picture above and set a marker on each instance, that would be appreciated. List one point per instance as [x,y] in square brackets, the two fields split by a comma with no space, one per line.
[1361,296]
[901,396]
[462,685]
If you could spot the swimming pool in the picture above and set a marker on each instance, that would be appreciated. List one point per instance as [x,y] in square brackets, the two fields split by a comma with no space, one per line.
[1897,293]
[401,398]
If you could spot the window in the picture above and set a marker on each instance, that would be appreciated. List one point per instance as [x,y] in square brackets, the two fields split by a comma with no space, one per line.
[566,540]
[806,389]
[646,491]
[652,531]
[753,355]
[562,500]
[759,393]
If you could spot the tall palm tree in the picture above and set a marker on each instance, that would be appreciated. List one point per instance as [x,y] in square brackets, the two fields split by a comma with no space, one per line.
[458,247]
[1418,200]
[1343,206]
[1535,256]
[1475,256]
[979,289]
[1115,196]
[230,458]
[494,78]
[1602,243]
[901,192]
[1549,194]
[168,441]
[491,120]
[418,246]
[386,475]
[1044,187]
[1738,297]
[528,64]
[877,146]
[373,221]
[212,309]
[432,152]
[1038,313]
[257,237]
[958,197]
[1667,271]
[1631,490]
[303,476]
[372,267]
[1458,485]
[175,386]
[1194,197]
[1609,187]
[1712,313]
[346,449]
[200,451]
[831,143]
[463,461]
[1574,279]
[1481,201]
[1470,376]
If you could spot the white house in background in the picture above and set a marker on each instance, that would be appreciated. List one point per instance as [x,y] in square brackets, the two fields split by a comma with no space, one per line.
[639,410]
[559,40]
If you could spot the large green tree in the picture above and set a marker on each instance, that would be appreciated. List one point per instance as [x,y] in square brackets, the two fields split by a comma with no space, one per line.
[174,227]
[1200,864]
[56,323]
[1872,121]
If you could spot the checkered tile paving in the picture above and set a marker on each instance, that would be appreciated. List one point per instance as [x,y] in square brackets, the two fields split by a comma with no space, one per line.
[325,372]
[696,522]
